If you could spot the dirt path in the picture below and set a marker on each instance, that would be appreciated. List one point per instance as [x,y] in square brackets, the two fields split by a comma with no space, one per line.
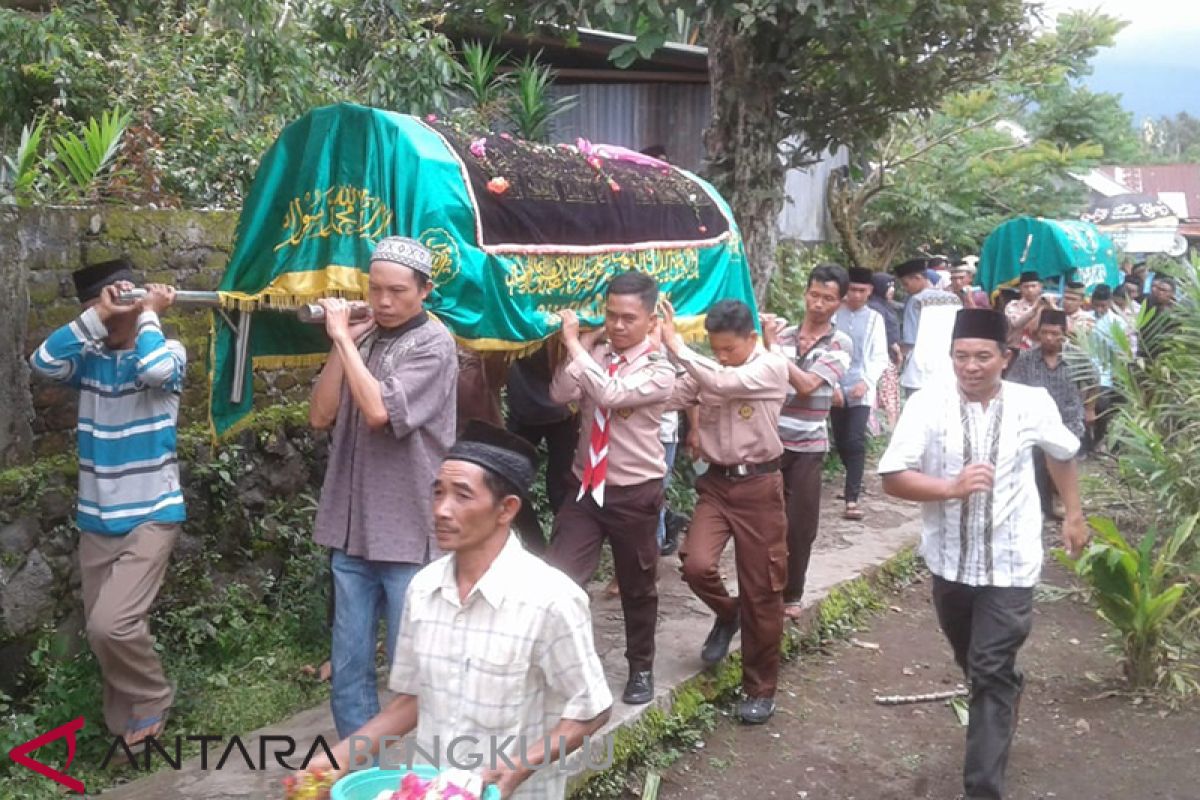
[831,741]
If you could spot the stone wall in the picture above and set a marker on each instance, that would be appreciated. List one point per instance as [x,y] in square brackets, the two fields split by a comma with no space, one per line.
[240,502]
[16,406]
[41,247]
[248,520]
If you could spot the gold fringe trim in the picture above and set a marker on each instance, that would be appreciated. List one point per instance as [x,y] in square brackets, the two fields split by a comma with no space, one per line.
[283,362]
[293,289]
[690,328]
[233,430]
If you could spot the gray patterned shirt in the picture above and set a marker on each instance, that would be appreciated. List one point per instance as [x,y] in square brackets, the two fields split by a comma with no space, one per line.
[376,502]
[1063,382]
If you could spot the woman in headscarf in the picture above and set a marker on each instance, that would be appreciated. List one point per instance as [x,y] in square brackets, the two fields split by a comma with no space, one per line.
[888,396]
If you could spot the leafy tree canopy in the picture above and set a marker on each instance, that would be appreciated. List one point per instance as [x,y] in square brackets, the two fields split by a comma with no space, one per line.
[802,75]
[1174,139]
[944,180]
[211,84]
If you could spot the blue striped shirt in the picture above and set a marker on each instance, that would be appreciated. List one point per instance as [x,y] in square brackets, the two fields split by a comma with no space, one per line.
[128,408]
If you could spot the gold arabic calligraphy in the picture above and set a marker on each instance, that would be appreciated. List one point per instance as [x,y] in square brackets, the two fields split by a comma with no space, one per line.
[337,211]
[573,275]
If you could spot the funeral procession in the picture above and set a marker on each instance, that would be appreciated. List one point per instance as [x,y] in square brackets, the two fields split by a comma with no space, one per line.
[638,400]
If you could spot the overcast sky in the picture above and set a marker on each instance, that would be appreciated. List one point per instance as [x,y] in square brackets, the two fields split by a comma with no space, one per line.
[1154,65]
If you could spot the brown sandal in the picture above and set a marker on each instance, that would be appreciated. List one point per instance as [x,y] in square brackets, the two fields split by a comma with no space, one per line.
[852,512]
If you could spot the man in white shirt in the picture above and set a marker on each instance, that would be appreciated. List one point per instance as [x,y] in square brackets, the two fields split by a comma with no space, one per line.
[967,457]
[1113,339]
[925,334]
[496,649]
[869,358]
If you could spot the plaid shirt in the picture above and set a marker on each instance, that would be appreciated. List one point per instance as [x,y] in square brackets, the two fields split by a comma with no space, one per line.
[802,426]
[1064,383]
[512,660]
[991,538]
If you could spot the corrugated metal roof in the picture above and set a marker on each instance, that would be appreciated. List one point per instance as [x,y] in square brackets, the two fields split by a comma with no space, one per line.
[638,116]
[624,38]
[1159,179]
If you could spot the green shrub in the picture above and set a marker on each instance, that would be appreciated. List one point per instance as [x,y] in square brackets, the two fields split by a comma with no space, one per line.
[1156,428]
[1138,592]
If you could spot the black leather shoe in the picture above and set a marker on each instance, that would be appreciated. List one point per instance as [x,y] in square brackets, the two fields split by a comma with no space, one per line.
[716,646]
[756,710]
[640,688]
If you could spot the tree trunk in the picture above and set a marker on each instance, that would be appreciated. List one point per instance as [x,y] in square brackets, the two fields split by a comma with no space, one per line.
[743,145]
[839,197]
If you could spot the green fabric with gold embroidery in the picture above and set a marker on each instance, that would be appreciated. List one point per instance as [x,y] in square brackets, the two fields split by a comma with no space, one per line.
[343,177]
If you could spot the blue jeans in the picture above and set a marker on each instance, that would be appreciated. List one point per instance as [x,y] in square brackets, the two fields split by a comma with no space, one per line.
[363,590]
[670,447]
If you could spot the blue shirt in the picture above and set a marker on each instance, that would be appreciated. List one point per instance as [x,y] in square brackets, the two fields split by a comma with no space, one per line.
[128,409]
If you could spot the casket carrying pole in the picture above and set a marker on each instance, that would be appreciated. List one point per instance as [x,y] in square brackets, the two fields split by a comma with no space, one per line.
[311,313]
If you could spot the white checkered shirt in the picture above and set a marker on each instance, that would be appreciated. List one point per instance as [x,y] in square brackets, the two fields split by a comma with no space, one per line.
[512,660]
[992,538]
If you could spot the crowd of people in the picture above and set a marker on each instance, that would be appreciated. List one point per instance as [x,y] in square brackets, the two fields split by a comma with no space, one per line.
[426,507]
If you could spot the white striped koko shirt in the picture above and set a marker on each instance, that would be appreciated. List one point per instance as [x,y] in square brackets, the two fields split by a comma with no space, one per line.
[992,538]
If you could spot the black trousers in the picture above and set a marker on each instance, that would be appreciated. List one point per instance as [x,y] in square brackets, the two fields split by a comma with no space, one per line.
[802,505]
[986,626]
[1106,408]
[560,438]
[1045,485]
[629,521]
[849,426]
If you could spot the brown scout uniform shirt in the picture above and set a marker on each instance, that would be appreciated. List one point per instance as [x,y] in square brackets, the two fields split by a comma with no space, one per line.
[376,502]
[636,397]
[739,406]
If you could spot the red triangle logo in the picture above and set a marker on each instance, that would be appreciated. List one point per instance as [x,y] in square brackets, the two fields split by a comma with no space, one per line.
[20,754]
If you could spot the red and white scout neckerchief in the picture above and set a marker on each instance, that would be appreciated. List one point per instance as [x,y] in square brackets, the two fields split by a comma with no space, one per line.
[595,469]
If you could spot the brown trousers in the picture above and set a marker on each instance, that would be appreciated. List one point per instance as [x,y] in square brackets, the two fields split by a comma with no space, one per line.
[629,520]
[121,576]
[751,511]
[802,496]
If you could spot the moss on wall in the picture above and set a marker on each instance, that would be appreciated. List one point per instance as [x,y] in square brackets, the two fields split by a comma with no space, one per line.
[187,249]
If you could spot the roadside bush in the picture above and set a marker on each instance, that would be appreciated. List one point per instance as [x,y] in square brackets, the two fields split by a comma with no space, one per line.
[1156,428]
[1139,591]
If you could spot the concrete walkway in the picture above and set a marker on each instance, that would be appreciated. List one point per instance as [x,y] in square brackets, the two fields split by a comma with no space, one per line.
[843,552]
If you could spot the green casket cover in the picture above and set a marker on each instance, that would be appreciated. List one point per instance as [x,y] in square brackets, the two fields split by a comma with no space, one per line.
[1055,249]
[519,231]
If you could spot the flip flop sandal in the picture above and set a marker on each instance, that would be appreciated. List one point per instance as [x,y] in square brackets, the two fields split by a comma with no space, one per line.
[852,512]
[136,725]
